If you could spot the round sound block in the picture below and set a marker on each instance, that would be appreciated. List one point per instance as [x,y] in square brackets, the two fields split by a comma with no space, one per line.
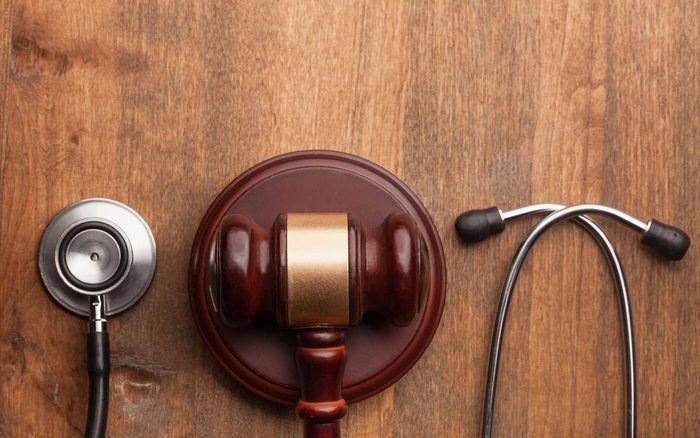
[261,356]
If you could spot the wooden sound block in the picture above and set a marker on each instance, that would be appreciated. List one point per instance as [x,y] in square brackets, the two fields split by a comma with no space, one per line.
[261,356]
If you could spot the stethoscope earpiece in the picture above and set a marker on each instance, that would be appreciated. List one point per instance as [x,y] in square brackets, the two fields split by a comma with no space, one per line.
[667,240]
[476,225]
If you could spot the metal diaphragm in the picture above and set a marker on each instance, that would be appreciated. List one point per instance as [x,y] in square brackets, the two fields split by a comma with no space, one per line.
[97,247]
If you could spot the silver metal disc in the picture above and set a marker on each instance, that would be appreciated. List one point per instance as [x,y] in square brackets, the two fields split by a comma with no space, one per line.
[93,256]
[93,247]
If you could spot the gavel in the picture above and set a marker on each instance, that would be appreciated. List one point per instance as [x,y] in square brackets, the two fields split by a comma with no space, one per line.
[319,273]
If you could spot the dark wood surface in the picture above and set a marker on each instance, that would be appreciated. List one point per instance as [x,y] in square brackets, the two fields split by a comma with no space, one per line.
[159,104]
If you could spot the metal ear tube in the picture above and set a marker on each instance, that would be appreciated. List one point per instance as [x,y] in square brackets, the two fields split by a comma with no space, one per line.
[476,225]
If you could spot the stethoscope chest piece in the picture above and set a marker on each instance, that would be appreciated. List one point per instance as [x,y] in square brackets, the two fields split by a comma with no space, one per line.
[93,247]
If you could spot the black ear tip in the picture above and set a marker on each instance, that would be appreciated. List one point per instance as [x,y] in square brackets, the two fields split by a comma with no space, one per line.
[668,240]
[476,225]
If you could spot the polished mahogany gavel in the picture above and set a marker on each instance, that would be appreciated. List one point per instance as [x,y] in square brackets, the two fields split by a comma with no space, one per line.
[319,273]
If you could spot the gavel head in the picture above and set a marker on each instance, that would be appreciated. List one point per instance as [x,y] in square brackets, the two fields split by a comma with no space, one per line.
[319,270]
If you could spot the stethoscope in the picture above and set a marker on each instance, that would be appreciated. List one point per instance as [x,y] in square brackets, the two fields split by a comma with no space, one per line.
[476,225]
[97,258]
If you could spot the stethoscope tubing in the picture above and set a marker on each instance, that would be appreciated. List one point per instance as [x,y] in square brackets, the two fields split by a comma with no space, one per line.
[560,213]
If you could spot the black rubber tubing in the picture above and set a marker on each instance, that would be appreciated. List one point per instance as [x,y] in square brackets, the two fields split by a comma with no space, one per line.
[98,372]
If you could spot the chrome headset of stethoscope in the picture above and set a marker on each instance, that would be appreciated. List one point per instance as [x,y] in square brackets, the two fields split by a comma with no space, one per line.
[476,225]
[97,258]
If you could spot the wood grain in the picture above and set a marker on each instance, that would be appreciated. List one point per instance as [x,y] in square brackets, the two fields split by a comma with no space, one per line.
[159,104]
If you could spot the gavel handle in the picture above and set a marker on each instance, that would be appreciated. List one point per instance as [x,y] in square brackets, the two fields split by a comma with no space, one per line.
[320,358]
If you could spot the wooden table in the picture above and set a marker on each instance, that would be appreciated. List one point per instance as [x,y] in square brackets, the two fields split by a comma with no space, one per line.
[159,104]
